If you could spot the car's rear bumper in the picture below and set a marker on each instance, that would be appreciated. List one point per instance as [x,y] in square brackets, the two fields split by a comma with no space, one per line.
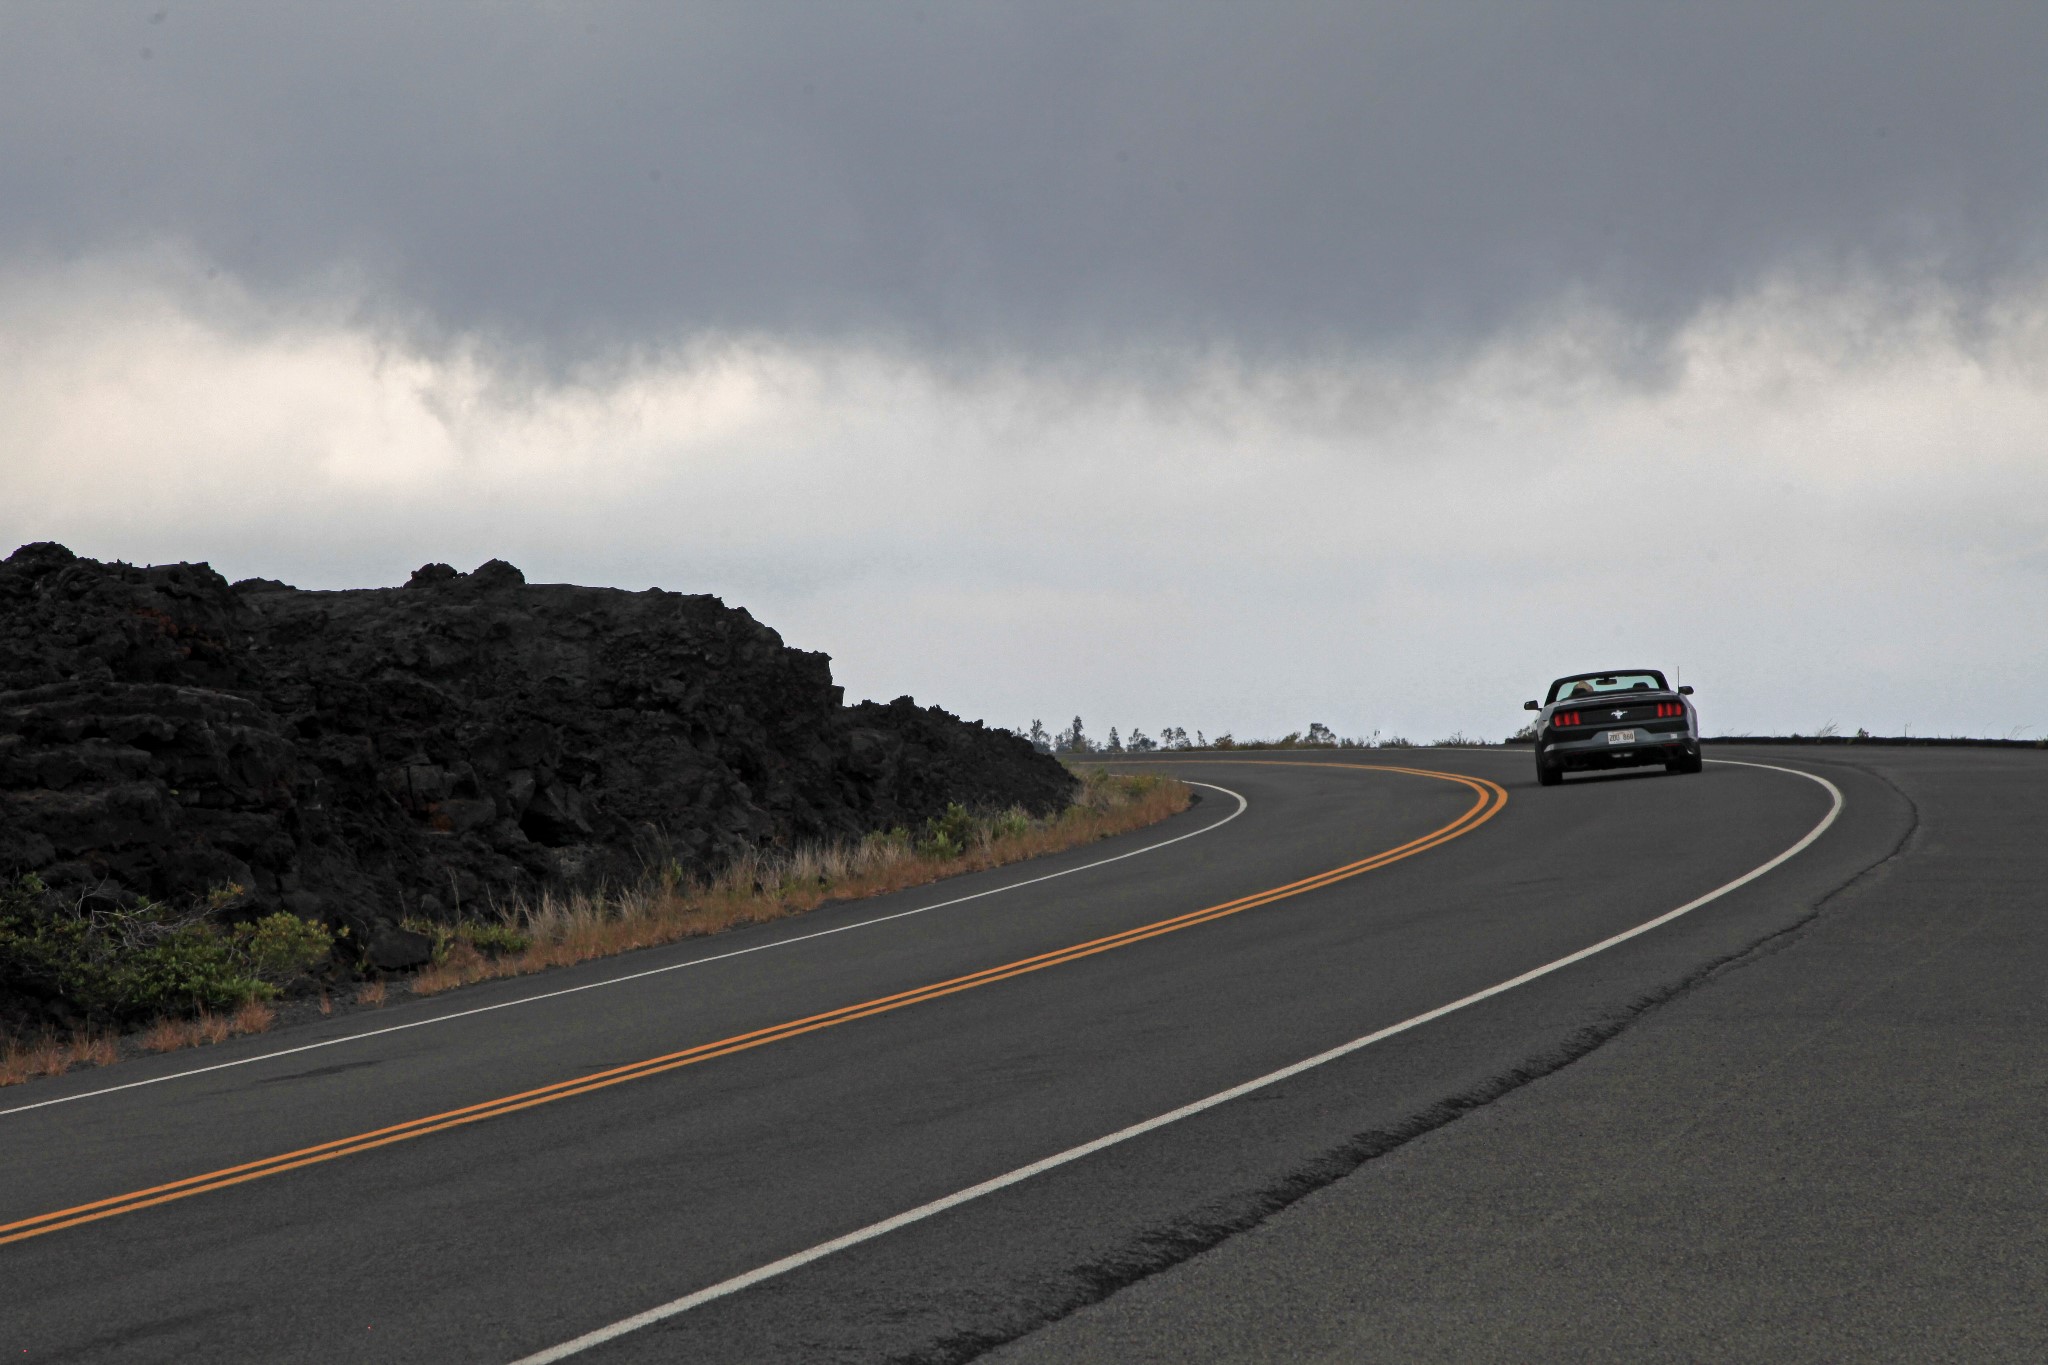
[1598,751]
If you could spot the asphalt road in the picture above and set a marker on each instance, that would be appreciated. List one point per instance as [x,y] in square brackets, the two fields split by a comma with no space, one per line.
[1801,1117]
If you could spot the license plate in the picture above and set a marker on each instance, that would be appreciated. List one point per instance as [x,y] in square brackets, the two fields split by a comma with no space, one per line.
[1621,736]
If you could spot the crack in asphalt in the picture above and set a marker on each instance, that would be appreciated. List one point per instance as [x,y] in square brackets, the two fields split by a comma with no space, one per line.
[1161,1249]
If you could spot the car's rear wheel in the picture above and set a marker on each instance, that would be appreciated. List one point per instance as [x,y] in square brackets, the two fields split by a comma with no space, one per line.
[1548,774]
[1685,763]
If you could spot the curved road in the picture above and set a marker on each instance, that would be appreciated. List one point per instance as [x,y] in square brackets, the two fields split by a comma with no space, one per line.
[1799,1121]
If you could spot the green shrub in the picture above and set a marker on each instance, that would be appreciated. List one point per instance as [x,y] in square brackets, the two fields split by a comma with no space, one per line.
[494,939]
[124,964]
[938,844]
[281,948]
[895,837]
[950,834]
[1011,824]
[192,968]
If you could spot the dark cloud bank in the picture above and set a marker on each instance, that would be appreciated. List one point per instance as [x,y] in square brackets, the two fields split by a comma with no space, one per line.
[1033,177]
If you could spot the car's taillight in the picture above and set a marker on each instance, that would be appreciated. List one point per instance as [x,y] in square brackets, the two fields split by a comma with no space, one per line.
[1670,708]
[1565,718]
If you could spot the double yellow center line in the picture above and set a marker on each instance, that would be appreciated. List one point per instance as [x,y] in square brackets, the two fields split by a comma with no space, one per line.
[1489,799]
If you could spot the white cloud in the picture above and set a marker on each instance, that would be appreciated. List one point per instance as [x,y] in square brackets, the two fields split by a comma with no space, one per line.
[1826,503]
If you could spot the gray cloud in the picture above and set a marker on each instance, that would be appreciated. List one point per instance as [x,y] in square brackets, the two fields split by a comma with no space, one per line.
[1030,177]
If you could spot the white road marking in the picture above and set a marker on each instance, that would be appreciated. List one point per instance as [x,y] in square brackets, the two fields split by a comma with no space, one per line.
[1242,805]
[771,1270]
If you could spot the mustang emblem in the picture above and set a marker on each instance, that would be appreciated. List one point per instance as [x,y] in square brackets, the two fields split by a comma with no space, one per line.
[1619,714]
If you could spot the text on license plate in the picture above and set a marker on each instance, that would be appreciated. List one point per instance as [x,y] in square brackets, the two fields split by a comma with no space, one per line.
[1621,736]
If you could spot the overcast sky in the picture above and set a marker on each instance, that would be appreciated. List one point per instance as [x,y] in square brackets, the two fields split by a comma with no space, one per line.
[1229,366]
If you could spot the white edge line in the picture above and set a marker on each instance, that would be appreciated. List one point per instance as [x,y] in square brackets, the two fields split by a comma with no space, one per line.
[1242,805]
[923,1211]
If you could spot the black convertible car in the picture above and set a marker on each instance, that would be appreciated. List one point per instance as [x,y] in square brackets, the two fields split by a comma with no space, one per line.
[1624,719]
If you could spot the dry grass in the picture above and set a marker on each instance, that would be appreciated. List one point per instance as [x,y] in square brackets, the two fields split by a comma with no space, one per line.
[21,1061]
[168,1035]
[371,993]
[206,1028]
[253,1016]
[25,1060]
[560,930]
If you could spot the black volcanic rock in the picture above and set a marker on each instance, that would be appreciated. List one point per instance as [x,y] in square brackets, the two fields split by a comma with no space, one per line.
[360,756]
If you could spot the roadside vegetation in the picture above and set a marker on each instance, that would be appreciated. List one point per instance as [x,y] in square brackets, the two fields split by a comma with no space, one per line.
[666,907]
[147,977]
[171,977]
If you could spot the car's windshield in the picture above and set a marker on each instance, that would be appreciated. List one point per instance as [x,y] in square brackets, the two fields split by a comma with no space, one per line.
[1565,689]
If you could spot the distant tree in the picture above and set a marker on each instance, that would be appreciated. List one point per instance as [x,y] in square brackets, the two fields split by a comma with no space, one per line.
[1140,742]
[1200,743]
[1320,735]
[1040,740]
[1115,745]
[1074,739]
